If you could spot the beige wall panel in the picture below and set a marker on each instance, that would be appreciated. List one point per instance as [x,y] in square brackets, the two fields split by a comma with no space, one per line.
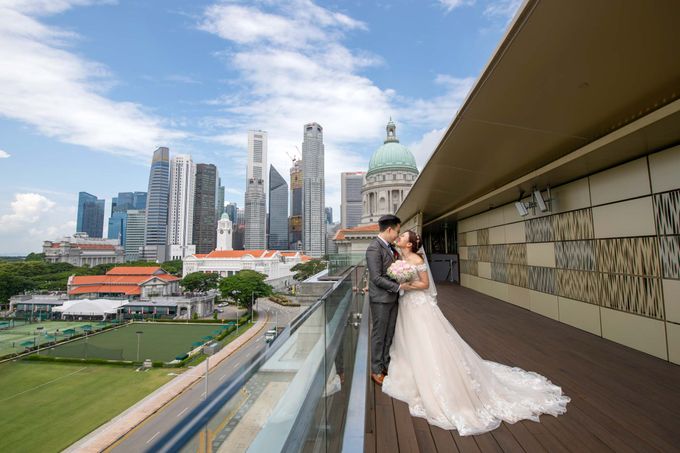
[580,315]
[671,298]
[498,290]
[510,213]
[465,280]
[515,233]
[484,269]
[624,219]
[673,331]
[637,332]
[619,183]
[497,235]
[463,253]
[471,238]
[544,304]
[572,196]
[463,226]
[664,168]
[519,296]
[541,254]
[495,217]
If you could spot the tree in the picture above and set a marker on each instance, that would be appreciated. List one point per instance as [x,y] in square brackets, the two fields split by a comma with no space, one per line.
[35,257]
[11,285]
[199,281]
[173,267]
[305,270]
[245,286]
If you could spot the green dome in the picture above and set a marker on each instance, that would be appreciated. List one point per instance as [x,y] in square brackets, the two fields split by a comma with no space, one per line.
[392,155]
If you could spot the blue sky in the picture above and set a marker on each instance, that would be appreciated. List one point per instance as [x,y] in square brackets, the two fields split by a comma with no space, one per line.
[88,89]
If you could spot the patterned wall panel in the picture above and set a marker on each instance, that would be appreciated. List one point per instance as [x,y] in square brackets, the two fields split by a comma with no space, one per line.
[578,285]
[485,253]
[517,253]
[539,230]
[637,295]
[483,236]
[633,256]
[669,250]
[518,275]
[499,272]
[575,255]
[469,267]
[570,226]
[462,239]
[499,253]
[667,212]
[473,253]
[542,279]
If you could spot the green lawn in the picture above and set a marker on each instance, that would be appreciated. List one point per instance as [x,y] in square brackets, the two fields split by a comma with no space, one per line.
[160,341]
[46,407]
[11,339]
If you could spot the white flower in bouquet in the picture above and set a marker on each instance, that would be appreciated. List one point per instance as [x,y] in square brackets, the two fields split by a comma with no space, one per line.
[401,271]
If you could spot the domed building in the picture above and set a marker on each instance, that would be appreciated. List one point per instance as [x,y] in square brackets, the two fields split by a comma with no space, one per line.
[391,173]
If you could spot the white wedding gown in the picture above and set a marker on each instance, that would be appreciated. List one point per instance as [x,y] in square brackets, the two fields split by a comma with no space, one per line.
[443,380]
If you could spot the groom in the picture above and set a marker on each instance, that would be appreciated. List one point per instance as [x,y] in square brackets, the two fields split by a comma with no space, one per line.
[383,293]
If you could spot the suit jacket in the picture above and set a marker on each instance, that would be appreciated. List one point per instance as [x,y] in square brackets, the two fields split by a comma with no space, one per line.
[381,288]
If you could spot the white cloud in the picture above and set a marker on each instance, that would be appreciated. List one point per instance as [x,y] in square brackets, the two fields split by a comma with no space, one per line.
[503,9]
[450,5]
[26,209]
[62,94]
[423,148]
[4,154]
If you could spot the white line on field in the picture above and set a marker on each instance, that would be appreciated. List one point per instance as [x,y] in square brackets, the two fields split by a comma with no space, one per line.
[153,437]
[42,385]
[183,411]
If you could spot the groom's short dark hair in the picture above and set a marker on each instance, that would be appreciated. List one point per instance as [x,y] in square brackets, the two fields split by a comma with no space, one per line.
[388,221]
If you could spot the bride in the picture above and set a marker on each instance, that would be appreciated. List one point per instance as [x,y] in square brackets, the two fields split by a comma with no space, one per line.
[443,379]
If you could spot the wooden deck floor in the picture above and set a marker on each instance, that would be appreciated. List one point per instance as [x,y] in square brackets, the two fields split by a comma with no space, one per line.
[622,400]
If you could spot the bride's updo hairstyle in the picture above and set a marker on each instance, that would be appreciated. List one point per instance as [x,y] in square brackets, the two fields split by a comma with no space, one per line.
[415,240]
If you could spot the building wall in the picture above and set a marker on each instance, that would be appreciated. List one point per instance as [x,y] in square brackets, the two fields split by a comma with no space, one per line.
[313,191]
[181,204]
[157,199]
[605,260]
[205,223]
[134,238]
[278,211]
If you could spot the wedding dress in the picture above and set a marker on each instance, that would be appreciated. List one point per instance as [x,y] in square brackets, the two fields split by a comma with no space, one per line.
[443,380]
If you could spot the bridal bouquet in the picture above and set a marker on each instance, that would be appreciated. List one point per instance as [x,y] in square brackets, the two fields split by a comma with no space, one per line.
[401,271]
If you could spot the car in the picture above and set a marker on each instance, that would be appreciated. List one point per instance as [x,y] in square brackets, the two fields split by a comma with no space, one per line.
[270,335]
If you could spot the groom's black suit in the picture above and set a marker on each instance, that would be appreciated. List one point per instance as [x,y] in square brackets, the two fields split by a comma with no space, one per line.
[384,294]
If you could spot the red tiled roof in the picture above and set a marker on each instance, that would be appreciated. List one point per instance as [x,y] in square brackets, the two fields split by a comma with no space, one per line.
[373,227]
[56,245]
[234,253]
[132,270]
[128,290]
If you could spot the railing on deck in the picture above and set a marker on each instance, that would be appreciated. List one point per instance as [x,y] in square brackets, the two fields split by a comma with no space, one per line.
[297,394]
[338,263]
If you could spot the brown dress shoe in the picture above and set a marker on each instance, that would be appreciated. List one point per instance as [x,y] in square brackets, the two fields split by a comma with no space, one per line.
[377,378]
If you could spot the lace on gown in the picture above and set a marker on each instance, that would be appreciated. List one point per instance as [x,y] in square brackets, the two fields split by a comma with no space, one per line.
[445,381]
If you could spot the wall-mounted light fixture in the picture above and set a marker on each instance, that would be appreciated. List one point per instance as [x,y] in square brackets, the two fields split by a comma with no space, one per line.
[539,201]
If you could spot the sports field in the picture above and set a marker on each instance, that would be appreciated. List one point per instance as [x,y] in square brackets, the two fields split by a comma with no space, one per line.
[20,335]
[45,407]
[158,342]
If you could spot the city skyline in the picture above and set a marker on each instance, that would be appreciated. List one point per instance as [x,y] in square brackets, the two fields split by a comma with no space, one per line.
[109,99]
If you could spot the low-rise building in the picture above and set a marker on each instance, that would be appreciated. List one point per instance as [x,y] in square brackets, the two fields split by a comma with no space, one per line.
[80,250]
[275,264]
[125,281]
[355,241]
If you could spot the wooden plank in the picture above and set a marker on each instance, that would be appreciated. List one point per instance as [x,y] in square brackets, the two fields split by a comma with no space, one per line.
[424,436]
[406,434]
[465,444]
[525,438]
[443,440]
[506,440]
[369,443]
[385,427]
[487,443]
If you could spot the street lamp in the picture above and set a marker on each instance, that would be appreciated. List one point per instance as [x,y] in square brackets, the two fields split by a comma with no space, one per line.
[233,294]
[139,336]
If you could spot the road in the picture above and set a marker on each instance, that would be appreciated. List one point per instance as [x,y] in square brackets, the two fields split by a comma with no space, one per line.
[144,435]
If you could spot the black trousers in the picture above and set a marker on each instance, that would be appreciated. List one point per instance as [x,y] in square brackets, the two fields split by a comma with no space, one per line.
[383,321]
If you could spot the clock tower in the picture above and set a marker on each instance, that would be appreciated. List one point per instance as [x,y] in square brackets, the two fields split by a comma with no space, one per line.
[224,233]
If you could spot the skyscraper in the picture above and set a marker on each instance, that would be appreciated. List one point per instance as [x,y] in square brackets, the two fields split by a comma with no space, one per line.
[239,229]
[295,221]
[219,202]
[278,211]
[156,223]
[313,190]
[350,201]
[255,197]
[181,207]
[329,215]
[232,211]
[90,215]
[134,233]
[119,207]
[205,222]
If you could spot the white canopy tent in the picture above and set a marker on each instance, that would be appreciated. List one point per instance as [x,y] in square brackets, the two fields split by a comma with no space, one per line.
[90,307]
